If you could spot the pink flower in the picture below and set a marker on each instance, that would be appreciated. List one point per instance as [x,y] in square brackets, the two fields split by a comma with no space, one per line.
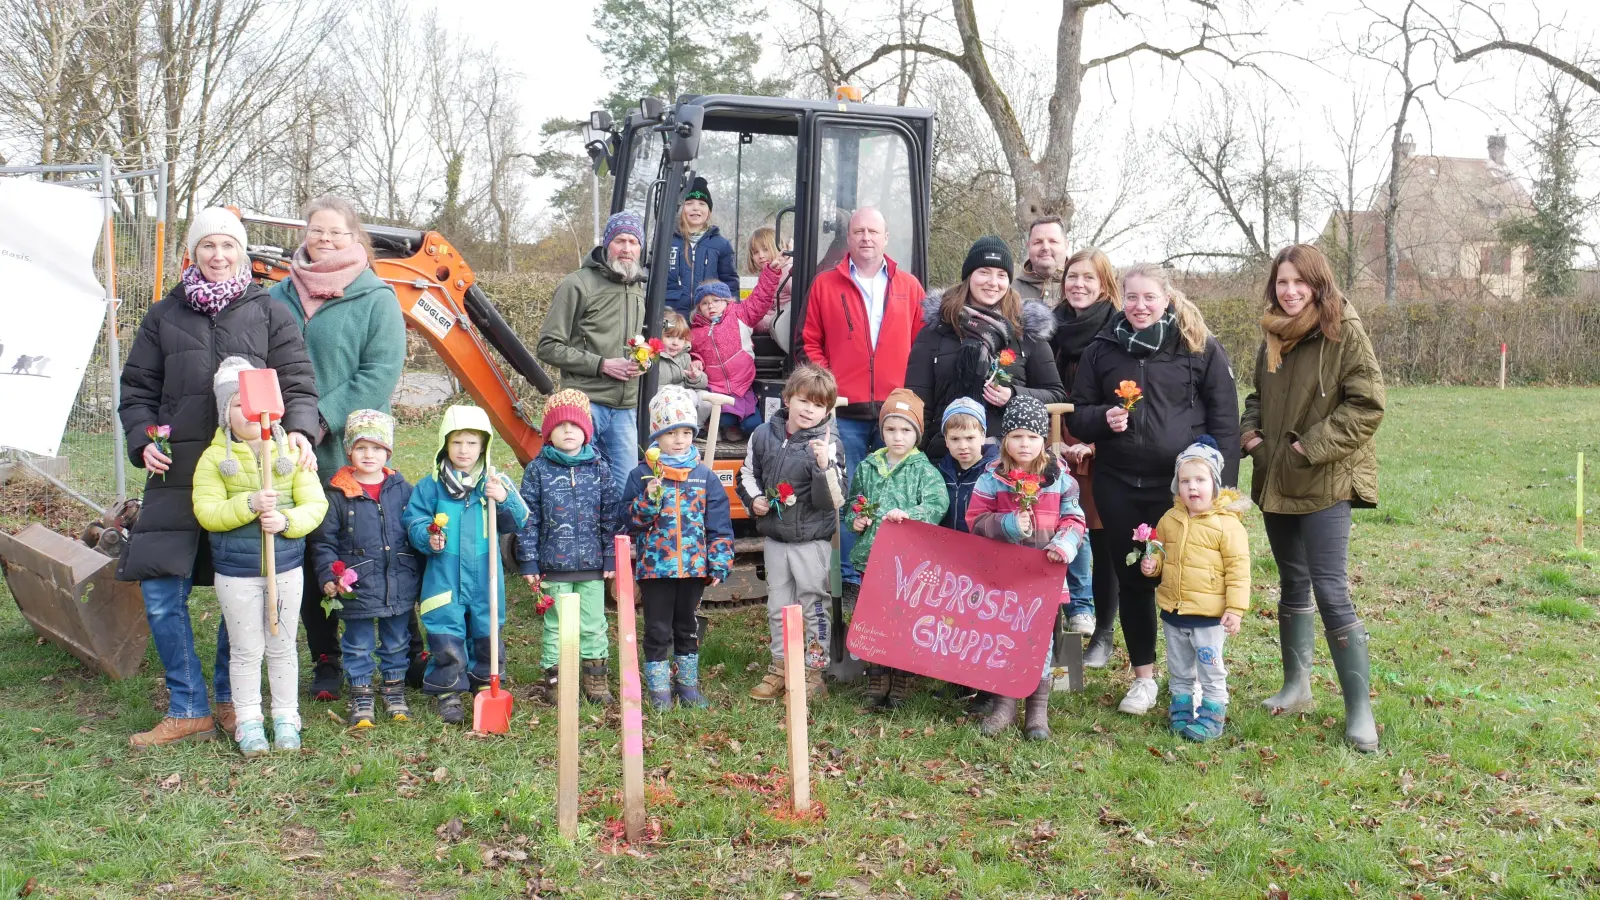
[1143,533]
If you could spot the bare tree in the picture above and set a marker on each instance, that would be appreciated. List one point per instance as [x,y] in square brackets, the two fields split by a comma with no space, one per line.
[1215,149]
[1347,192]
[45,79]
[382,50]
[1410,49]
[1041,178]
[1584,70]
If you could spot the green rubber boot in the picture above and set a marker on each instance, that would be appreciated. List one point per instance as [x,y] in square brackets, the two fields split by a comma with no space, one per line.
[1349,649]
[1297,633]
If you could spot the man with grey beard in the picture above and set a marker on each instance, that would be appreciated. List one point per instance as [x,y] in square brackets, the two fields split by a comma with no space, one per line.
[594,312]
[1040,278]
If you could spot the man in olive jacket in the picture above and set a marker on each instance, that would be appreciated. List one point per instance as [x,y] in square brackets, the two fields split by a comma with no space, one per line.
[585,335]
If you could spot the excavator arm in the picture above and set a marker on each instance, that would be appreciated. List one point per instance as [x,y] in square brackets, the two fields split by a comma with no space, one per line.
[442,302]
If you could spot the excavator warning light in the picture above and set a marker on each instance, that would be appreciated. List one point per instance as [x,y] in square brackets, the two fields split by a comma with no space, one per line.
[847,93]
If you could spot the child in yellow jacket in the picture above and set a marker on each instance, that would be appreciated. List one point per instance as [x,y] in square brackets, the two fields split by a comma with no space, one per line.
[231,504]
[1203,561]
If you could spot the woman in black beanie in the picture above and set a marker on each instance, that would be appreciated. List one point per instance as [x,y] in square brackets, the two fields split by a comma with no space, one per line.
[980,340]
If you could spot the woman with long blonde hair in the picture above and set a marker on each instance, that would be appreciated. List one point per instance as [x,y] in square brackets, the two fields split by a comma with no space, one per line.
[1147,386]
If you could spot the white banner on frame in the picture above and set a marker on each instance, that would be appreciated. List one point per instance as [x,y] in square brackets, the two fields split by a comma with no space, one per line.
[51,307]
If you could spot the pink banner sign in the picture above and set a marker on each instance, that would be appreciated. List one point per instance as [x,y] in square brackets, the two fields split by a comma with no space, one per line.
[957,607]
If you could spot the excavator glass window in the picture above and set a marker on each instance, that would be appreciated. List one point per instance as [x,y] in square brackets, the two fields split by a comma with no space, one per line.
[863,166]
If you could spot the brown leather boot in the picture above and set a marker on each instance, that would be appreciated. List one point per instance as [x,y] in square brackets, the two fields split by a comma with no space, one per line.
[1036,713]
[816,688]
[877,684]
[596,682]
[170,731]
[772,686]
[1001,714]
[222,712]
[899,689]
[546,690]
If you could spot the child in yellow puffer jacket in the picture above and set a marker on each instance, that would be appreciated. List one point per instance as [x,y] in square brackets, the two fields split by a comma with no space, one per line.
[1204,566]
[231,504]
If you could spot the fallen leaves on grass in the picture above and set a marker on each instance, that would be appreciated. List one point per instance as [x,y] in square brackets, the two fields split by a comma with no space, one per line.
[171,782]
[452,831]
[614,837]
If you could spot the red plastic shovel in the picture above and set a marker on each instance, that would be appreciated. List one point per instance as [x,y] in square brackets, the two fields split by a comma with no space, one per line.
[491,709]
[262,402]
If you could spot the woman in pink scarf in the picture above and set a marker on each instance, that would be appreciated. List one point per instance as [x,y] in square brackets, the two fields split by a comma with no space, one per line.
[356,337]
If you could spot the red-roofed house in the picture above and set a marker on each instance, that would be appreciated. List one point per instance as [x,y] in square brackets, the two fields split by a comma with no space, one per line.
[1448,226]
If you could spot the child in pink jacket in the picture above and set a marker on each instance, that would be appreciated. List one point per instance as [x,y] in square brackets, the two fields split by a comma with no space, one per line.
[720,334]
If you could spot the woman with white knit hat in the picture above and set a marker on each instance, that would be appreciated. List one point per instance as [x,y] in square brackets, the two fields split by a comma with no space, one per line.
[214,312]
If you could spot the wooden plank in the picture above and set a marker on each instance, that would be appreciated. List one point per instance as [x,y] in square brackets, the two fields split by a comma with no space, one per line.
[633,810]
[794,660]
[567,720]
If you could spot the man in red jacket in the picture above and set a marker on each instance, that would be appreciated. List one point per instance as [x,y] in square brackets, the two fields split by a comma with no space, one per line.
[861,317]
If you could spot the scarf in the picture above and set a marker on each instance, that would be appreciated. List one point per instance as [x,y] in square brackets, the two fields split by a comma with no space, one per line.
[686,460]
[211,297]
[326,278]
[1075,328]
[984,333]
[584,454]
[1284,333]
[458,484]
[1142,344]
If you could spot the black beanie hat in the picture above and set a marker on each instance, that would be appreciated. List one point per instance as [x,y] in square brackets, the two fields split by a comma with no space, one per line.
[1025,413]
[987,251]
[699,190]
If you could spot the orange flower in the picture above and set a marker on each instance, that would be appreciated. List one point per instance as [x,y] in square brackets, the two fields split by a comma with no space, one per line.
[1130,393]
[1007,357]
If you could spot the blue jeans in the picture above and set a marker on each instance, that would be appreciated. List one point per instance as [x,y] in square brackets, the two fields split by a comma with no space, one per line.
[389,637]
[1080,582]
[616,436]
[860,437]
[166,607]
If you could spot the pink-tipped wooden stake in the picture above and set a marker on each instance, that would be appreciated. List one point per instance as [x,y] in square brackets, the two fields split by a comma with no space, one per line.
[633,812]
[794,662]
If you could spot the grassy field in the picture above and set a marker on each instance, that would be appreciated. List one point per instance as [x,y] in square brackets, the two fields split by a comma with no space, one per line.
[1484,663]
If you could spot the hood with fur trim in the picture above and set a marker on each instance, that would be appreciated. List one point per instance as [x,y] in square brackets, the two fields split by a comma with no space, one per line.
[1038,321]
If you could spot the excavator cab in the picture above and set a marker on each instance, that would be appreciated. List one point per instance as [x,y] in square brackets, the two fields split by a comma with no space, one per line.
[801,167]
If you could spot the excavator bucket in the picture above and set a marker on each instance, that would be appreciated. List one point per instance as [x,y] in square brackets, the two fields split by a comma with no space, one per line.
[69,593]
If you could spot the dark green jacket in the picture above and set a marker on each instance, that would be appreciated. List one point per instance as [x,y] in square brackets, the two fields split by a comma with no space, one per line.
[1329,396]
[357,345]
[913,486]
[591,317]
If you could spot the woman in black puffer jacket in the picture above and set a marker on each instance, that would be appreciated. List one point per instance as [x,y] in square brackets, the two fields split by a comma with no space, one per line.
[1159,342]
[214,312]
[970,327]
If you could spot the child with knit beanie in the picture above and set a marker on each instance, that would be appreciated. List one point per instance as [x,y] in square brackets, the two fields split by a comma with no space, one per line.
[370,575]
[231,504]
[898,483]
[677,512]
[1204,567]
[1052,521]
[566,545]
[721,334]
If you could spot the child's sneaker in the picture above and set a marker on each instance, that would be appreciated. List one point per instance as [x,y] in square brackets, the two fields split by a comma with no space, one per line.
[252,738]
[285,734]
[362,710]
[1181,712]
[1140,697]
[1082,623]
[595,679]
[1208,722]
[549,690]
[771,686]
[394,700]
[450,709]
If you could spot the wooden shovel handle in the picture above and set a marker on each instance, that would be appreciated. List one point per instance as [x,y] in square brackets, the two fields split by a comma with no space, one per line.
[267,550]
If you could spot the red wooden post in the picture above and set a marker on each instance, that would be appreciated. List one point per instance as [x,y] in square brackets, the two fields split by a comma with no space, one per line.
[633,814]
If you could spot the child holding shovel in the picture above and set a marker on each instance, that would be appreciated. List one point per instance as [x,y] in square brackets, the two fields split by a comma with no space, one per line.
[231,504]
[369,574]
[447,521]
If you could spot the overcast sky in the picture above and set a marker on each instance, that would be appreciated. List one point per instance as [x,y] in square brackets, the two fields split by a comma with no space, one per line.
[550,42]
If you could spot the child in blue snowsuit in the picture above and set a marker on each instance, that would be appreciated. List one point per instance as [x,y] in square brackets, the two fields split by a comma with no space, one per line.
[455,584]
